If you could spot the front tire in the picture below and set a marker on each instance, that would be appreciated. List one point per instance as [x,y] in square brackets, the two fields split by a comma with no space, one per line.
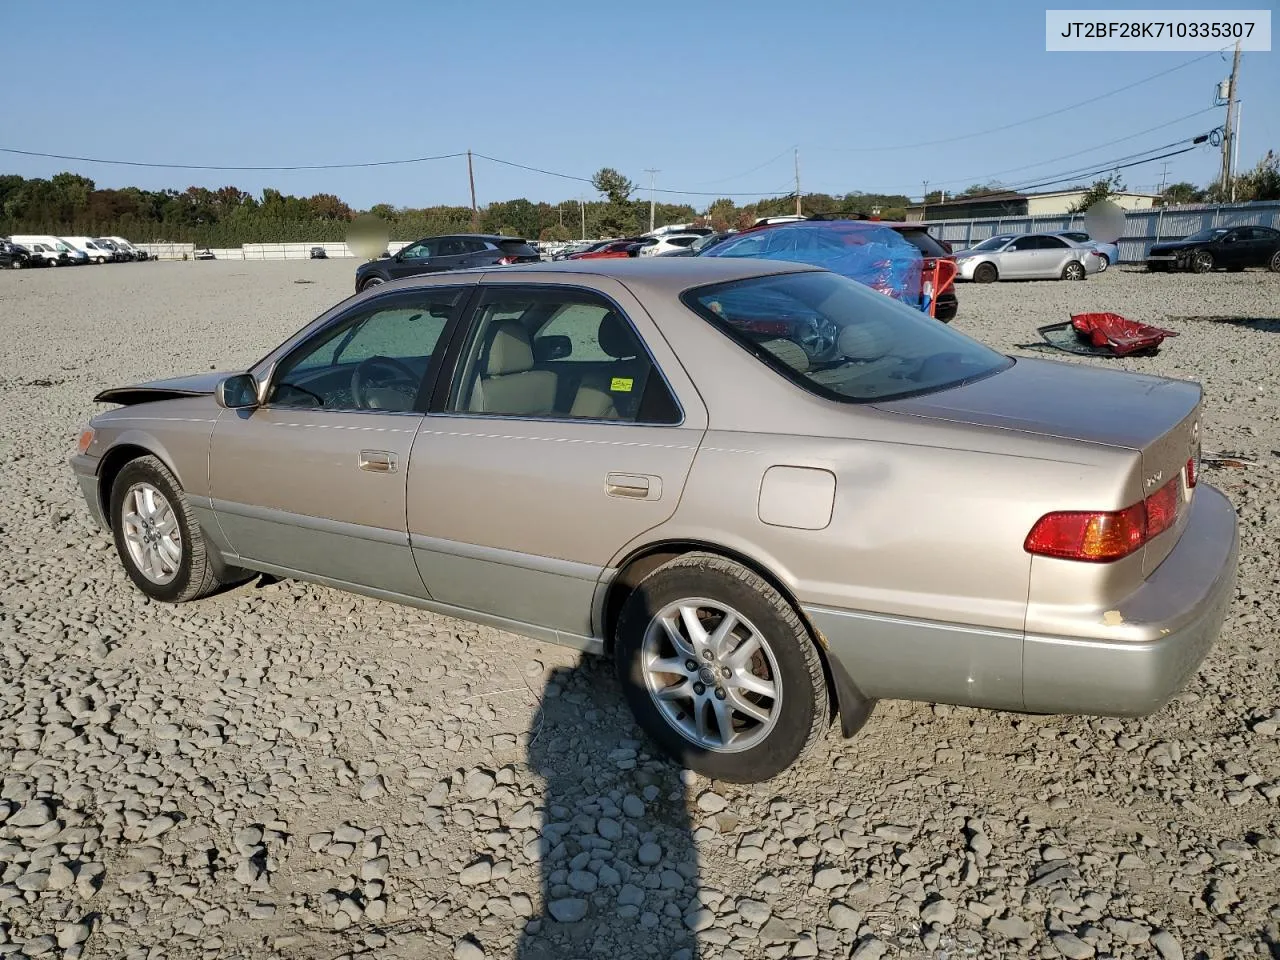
[719,669]
[1202,262]
[157,537]
[986,273]
[99,260]
[1106,262]
[1074,270]
[1274,263]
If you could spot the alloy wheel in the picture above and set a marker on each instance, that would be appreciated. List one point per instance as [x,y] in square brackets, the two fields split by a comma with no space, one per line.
[712,675]
[152,533]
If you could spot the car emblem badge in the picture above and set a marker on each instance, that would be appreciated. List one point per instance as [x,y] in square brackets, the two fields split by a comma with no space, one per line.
[1154,479]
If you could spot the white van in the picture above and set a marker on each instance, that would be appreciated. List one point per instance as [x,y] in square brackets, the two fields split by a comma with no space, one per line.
[91,249]
[128,248]
[51,248]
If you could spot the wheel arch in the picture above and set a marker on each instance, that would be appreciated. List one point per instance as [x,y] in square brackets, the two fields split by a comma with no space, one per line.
[847,701]
[121,453]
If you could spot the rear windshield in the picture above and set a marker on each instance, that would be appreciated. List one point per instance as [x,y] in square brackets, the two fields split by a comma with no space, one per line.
[840,339]
[925,243]
[517,248]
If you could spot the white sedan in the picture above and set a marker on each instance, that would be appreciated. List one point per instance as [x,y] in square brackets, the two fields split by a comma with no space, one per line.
[1028,256]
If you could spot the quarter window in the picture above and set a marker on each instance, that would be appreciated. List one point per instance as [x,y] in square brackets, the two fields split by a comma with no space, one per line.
[558,354]
[375,360]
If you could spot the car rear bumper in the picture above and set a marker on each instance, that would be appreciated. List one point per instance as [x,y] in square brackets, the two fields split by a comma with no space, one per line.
[1169,625]
[1178,610]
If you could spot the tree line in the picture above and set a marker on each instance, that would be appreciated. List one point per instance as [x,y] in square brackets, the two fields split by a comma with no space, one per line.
[71,204]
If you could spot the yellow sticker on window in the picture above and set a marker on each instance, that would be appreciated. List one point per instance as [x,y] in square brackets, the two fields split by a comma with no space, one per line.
[621,384]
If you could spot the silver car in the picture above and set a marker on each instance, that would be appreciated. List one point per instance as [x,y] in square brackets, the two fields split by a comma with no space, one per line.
[635,457]
[1027,256]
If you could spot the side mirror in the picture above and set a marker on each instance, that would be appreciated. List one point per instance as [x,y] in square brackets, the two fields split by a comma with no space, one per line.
[237,392]
[1229,238]
[555,347]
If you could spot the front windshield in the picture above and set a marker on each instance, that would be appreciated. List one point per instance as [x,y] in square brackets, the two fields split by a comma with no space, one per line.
[993,243]
[1214,233]
[841,339]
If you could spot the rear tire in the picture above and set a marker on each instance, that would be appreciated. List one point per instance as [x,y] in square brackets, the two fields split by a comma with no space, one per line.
[1106,262]
[371,282]
[1074,270]
[725,681]
[181,567]
[1274,263]
[986,273]
[1202,261]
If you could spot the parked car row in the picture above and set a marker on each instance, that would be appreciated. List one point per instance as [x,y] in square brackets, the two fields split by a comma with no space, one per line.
[40,250]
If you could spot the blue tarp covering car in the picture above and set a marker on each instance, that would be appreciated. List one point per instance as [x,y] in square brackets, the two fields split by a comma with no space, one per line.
[862,250]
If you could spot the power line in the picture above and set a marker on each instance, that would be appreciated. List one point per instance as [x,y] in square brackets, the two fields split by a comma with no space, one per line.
[569,176]
[210,166]
[774,159]
[975,178]
[1108,167]
[1018,123]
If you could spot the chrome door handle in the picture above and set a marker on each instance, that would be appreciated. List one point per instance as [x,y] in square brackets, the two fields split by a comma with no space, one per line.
[633,486]
[378,461]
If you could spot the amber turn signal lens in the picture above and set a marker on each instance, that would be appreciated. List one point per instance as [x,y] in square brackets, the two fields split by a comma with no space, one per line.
[86,438]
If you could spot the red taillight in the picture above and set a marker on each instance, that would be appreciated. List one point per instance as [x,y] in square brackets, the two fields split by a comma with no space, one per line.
[1191,473]
[1105,536]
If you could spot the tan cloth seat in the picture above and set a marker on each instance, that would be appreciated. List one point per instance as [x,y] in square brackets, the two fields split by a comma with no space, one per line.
[596,398]
[509,384]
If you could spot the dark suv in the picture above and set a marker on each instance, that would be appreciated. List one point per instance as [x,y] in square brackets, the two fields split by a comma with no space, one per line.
[455,252]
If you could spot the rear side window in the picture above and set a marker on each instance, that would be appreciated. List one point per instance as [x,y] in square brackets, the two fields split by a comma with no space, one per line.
[516,248]
[840,339]
[558,354]
[681,241]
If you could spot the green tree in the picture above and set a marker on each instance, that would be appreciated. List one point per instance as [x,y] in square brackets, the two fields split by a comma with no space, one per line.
[1182,192]
[612,185]
[555,232]
[1101,190]
[1262,182]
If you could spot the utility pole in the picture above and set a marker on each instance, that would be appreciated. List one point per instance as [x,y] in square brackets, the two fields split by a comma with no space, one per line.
[1164,176]
[475,214]
[582,208]
[652,175]
[798,213]
[1228,132]
[924,200]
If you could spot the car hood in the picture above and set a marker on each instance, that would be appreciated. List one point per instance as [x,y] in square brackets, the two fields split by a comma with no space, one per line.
[194,385]
[1175,245]
[1066,400]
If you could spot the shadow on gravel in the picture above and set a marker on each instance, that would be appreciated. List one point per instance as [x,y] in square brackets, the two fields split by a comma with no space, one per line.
[1261,324]
[618,860]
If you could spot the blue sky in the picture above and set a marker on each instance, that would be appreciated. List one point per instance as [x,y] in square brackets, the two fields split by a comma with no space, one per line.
[703,91]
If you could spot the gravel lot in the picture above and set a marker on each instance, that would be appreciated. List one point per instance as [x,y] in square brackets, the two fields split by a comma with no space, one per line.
[287,771]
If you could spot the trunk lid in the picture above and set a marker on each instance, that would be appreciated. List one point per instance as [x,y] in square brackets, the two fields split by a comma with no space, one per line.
[1157,417]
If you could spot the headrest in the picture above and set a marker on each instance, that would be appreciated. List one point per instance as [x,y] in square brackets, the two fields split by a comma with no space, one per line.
[616,338]
[510,350]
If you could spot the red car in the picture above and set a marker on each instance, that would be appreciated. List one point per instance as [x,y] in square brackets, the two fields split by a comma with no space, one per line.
[613,250]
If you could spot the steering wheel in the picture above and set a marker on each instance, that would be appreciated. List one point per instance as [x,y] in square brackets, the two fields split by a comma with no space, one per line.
[362,377]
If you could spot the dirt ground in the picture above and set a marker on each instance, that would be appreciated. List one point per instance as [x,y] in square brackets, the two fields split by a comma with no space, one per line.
[287,771]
